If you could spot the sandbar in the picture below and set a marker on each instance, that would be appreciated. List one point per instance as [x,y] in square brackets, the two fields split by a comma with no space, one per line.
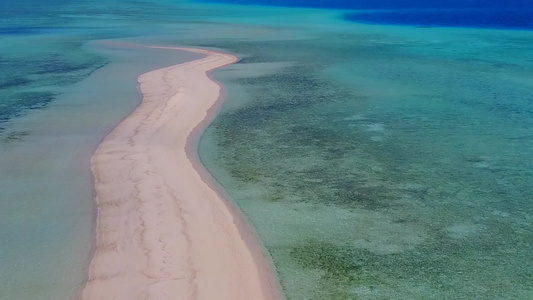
[163,230]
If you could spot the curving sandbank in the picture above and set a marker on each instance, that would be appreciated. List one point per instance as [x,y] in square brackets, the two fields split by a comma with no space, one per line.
[163,231]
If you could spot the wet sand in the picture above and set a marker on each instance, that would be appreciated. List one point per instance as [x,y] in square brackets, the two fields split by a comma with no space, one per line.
[163,230]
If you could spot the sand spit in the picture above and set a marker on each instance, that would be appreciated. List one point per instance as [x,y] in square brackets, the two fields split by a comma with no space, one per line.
[163,232]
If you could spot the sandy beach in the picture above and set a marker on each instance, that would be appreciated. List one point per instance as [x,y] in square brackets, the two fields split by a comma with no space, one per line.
[163,231]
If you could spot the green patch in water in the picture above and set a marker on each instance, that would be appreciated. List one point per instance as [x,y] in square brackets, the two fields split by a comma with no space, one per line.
[336,261]
[16,136]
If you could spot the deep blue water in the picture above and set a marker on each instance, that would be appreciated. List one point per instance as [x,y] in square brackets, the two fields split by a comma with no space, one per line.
[477,18]
[18,30]
[511,14]
[387,4]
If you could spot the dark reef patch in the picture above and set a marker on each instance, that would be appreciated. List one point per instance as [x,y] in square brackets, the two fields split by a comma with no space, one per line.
[15,136]
[335,261]
[14,82]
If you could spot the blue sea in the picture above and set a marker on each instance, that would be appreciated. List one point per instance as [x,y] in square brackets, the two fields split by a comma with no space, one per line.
[495,18]
[514,14]
[379,149]
[384,4]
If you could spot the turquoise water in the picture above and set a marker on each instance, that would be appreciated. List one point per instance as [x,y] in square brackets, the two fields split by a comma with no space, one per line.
[374,162]
[385,162]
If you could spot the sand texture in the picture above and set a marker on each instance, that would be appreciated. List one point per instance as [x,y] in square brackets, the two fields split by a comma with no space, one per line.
[163,231]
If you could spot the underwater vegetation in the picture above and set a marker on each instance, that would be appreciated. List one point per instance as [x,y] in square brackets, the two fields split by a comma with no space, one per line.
[33,81]
[380,190]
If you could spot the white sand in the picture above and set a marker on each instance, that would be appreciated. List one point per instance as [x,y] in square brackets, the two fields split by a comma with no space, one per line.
[163,232]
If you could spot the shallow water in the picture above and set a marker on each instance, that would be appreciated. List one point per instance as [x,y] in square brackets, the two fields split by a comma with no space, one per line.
[385,162]
[373,161]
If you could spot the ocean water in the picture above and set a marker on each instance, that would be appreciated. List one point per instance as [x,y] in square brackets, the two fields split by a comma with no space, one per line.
[382,4]
[496,14]
[383,162]
[496,18]
[373,161]
[391,176]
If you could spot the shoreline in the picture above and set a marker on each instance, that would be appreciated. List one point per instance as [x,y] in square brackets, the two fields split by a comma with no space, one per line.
[164,229]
